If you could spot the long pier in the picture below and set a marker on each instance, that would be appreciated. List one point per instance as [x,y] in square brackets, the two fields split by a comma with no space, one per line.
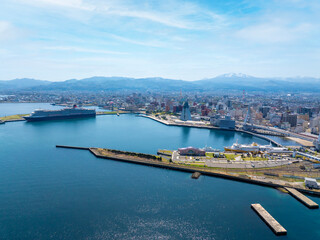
[268,219]
[299,196]
[183,168]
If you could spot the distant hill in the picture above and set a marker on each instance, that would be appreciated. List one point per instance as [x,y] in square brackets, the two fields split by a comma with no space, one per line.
[22,83]
[118,84]
[250,83]
[234,82]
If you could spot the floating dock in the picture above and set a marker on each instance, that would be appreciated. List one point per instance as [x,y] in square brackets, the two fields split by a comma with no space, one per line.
[302,198]
[268,219]
[195,175]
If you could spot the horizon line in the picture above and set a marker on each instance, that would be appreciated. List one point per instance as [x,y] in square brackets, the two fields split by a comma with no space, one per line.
[226,75]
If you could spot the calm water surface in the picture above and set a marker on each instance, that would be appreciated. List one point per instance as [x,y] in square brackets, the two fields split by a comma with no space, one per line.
[49,193]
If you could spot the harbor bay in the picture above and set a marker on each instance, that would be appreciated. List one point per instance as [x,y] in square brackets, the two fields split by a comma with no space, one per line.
[169,120]
[57,193]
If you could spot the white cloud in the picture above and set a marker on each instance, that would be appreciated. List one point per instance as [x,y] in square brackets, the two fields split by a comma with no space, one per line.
[274,32]
[84,50]
[177,14]
[7,31]
[152,16]
[142,43]
[76,4]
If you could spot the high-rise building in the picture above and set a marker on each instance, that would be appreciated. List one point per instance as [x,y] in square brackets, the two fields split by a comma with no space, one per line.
[290,118]
[264,110]
[185,114]
[225,123]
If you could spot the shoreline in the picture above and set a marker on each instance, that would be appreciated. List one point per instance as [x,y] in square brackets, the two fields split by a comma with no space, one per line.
[211,127]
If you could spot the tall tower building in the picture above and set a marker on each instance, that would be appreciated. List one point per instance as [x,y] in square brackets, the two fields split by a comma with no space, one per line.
[185,114]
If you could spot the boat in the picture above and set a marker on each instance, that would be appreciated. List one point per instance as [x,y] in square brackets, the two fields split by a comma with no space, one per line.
[118,114]
[242,148]
[254,148]
[2,122]
[65,113]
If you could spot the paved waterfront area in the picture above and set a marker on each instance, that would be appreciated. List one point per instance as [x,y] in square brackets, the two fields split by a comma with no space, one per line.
[246,164]
[303,142]
[224,163]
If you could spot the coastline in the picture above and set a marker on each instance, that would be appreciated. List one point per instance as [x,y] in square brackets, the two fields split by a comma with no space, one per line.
[211,127]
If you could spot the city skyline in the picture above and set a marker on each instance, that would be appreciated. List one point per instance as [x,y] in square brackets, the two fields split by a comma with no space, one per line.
[59,40]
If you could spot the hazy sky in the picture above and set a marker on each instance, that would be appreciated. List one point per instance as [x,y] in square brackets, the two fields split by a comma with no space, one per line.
[63,39]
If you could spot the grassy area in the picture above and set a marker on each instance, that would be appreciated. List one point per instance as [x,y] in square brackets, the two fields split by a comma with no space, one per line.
[165,160]
[230,156]
[210,154]
[107,112]
[111,113]
[164,151]
[13,117]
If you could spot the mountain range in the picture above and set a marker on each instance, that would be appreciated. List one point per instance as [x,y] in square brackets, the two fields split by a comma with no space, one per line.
[226,82]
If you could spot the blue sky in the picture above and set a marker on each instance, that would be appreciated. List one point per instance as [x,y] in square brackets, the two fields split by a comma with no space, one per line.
[63,39]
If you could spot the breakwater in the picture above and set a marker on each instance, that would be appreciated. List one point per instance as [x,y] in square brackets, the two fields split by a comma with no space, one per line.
[269,220]
[147,160]
[306,201]
[72,147]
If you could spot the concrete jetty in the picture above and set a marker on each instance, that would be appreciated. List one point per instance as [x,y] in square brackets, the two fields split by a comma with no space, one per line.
[195,175]
[268,219]
[302,198]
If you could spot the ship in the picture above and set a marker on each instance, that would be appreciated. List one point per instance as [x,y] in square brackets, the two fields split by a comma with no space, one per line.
[2,122]
[65,113]
[254,148]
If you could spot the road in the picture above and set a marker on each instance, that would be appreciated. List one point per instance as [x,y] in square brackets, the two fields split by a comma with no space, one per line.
[288,133]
